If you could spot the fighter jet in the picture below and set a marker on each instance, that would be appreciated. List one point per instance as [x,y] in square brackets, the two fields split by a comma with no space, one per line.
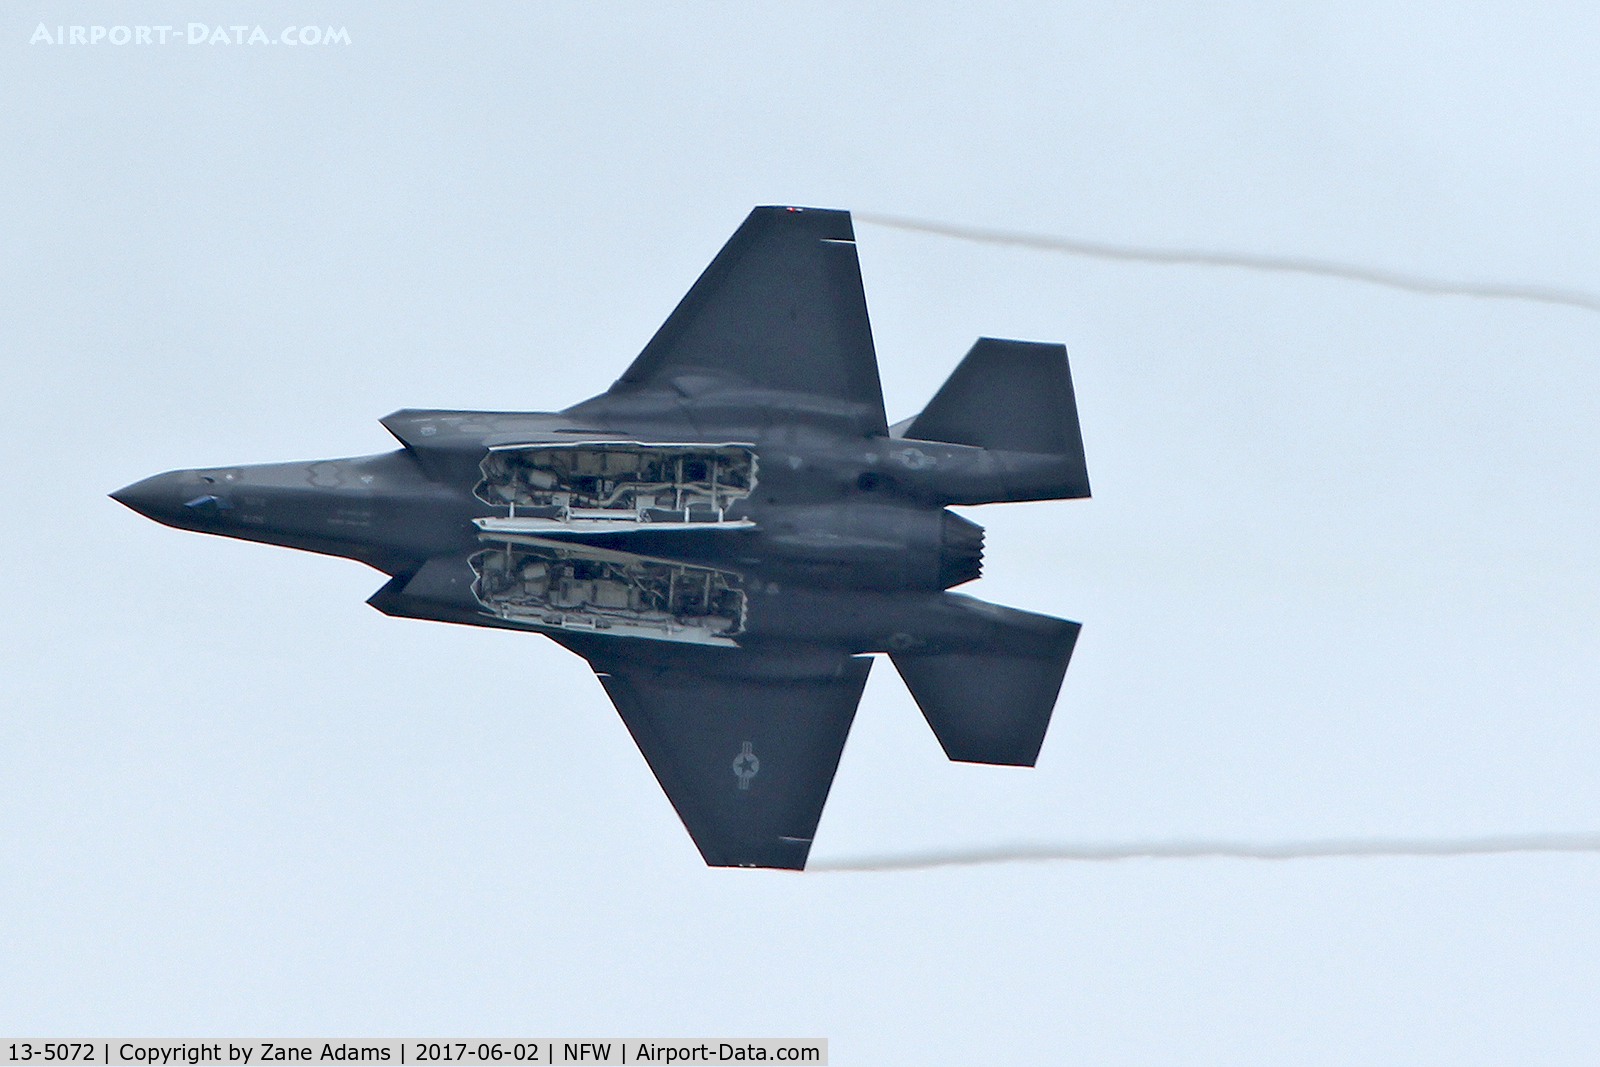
[726,535]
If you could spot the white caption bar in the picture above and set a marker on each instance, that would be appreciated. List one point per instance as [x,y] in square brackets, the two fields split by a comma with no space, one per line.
[533,1051]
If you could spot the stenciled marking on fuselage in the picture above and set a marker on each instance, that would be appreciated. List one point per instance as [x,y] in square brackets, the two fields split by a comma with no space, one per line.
[914,458]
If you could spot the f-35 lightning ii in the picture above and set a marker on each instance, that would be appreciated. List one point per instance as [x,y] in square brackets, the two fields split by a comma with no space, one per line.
[726,534]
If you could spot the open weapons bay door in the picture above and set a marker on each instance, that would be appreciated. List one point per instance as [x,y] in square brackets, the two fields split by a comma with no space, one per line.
[594,486]
[557,585]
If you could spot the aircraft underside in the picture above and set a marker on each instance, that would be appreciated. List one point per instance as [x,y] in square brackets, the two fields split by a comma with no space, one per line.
[727,535]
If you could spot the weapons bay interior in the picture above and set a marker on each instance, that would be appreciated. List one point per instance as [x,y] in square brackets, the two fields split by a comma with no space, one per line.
[619,479]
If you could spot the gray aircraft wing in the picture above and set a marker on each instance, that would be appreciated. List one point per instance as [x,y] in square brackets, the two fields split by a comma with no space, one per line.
[781,307]
[743,744]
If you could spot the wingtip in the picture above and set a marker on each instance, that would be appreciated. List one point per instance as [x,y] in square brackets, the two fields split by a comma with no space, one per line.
[831,223]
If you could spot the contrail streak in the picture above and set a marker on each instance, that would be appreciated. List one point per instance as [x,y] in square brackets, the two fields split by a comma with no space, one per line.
[1285,850]
[1413,283]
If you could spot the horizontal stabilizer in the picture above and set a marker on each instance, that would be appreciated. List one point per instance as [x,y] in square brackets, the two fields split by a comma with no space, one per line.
[1010,396]
[990,707]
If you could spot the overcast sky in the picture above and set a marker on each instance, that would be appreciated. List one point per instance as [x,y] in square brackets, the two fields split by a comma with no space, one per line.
[1339,576]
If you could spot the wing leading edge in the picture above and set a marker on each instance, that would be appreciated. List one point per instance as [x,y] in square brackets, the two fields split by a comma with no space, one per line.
[781,307]
[745,750]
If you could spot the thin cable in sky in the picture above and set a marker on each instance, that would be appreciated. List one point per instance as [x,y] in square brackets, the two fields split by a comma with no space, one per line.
[1284,850]
[1413,283]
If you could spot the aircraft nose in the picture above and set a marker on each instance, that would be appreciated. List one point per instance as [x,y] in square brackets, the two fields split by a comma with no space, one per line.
[161,497]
